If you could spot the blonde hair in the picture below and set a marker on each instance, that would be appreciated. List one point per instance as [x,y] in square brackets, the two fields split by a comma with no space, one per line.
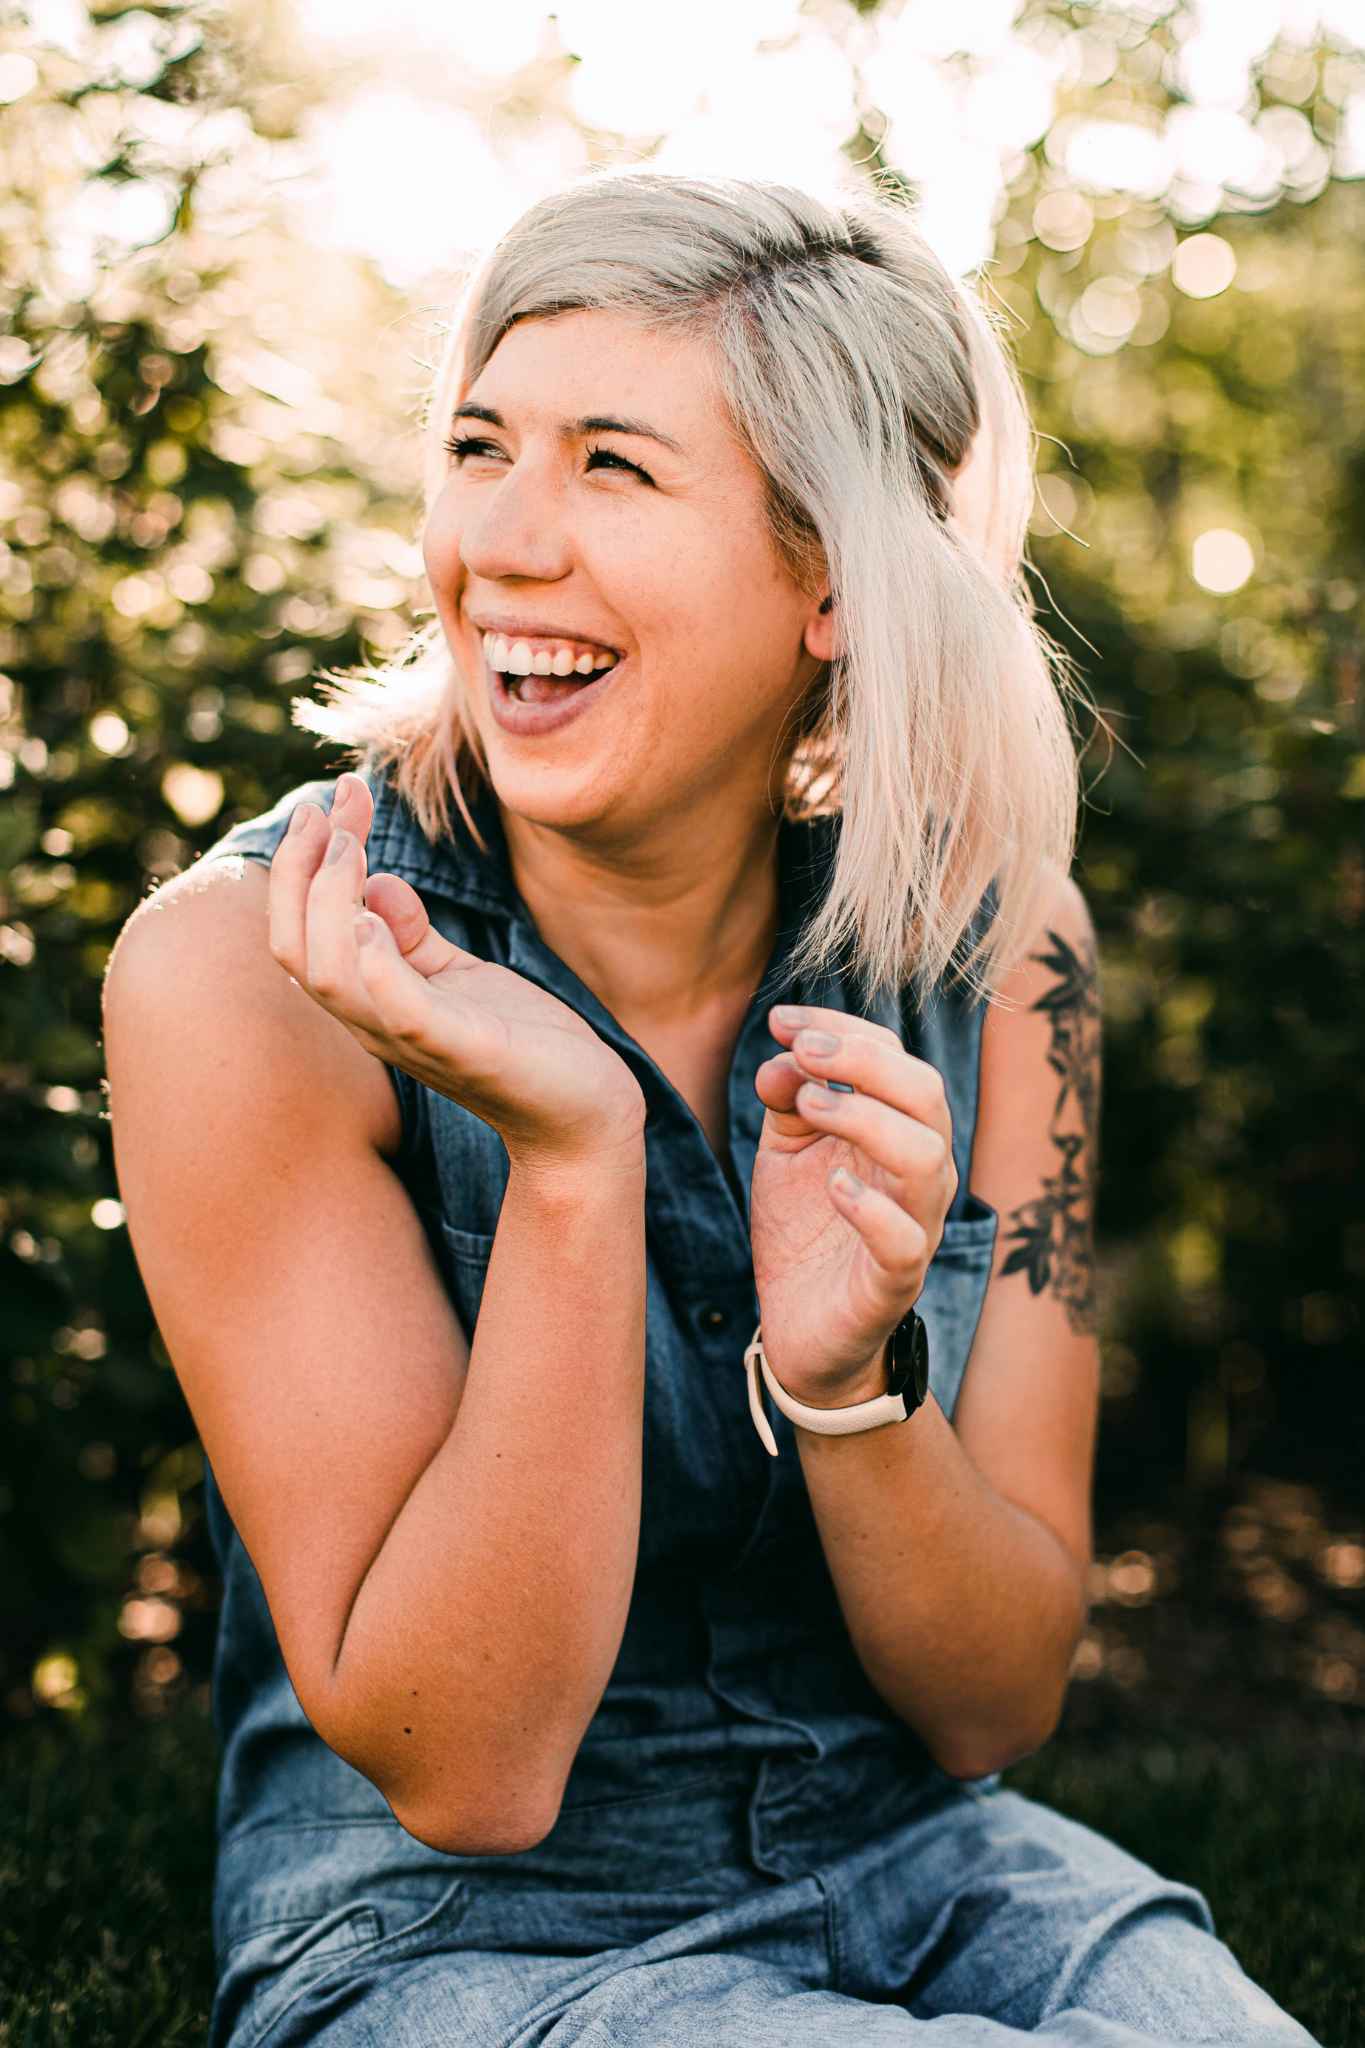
[889,424]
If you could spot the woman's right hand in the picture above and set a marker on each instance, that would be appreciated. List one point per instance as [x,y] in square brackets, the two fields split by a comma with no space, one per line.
[487,1038]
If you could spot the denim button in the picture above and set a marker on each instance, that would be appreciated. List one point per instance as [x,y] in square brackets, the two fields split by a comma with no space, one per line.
[714,1318]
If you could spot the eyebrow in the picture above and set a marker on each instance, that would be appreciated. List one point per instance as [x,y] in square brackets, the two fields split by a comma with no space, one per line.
[593,423]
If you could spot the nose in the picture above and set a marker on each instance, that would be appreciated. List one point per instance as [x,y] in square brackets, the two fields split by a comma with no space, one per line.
[514,528]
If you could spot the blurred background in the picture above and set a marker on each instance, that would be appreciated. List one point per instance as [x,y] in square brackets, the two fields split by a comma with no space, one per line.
[229,235]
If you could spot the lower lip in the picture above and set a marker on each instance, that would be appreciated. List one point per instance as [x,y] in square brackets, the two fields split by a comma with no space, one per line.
[526,720]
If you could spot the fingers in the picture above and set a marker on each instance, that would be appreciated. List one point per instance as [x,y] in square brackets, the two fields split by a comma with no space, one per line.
[317,886]
[895,1241]
[898,1113]
[299,859]
[400,907]
[396,1004]
[319,905]
[336,893]
[871,1058]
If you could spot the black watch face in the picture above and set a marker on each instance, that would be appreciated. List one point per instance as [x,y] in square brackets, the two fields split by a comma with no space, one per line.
[910,1360]
[919,1365]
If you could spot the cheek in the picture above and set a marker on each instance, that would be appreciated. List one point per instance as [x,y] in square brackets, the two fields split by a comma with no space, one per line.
[441,544]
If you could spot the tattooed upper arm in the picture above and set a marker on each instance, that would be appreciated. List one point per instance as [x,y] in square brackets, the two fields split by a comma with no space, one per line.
[1028,1408]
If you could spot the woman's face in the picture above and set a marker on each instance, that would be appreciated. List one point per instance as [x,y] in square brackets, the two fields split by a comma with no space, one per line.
[657,547]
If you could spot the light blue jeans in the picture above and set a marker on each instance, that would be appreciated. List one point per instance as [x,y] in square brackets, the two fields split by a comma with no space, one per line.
[986,1918]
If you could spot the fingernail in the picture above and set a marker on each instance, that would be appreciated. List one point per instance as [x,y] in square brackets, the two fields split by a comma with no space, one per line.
[818,1042]
[339,843]
[785,1014]
[298,817]
[364,930]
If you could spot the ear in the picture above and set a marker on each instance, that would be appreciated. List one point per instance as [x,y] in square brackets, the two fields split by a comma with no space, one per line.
[821,637]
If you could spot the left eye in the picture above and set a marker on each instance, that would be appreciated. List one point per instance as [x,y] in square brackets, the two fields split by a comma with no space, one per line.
[459,446]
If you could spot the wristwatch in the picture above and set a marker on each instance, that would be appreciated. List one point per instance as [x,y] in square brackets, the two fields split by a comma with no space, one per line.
[907,1365]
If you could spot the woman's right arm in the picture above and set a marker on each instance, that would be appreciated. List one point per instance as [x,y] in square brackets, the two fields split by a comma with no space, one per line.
[447,1541]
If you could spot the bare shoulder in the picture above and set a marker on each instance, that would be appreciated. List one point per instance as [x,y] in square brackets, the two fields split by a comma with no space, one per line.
[204,936]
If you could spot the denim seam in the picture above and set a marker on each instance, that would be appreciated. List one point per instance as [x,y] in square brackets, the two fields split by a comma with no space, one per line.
[738,1785]
[1141,1899]
[316,1821]
[834,1948]
[344,1959]
[354,1915]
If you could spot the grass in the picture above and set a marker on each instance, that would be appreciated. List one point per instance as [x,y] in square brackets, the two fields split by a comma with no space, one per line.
[106,1861]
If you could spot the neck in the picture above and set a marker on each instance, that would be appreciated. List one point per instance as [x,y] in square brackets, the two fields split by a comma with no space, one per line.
[663,930]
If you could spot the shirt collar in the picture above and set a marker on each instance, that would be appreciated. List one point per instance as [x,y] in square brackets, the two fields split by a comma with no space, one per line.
[456,867]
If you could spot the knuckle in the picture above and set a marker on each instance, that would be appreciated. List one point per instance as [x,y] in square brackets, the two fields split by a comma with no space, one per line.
[913,1262]
[930,1079]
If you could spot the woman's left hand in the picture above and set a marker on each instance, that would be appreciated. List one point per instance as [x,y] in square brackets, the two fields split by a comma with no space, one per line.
[836,1270]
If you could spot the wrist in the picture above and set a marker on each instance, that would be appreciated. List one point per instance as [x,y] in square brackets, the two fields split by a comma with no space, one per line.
[576,1179]
[866,1383]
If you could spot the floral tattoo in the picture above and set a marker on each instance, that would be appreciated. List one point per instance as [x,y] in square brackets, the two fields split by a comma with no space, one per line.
[1053,1235]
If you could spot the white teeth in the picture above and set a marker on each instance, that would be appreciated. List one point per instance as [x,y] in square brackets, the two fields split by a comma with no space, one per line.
[514,657]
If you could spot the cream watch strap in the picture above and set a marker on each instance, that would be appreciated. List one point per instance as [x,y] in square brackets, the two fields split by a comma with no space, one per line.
[859,1415]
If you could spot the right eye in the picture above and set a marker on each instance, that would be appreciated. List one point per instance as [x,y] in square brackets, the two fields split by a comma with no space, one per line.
[460,445]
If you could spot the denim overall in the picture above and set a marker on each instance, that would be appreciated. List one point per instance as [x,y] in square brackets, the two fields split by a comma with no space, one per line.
[751,1846]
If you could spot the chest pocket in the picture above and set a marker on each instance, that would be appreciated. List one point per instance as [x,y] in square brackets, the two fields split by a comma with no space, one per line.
[953,1295]
[470,1168]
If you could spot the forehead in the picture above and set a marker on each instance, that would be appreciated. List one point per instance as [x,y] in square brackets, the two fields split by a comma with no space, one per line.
[563,365]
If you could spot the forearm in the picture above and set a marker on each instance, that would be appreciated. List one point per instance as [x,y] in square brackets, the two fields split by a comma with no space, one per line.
[484,1633]
[964,1610]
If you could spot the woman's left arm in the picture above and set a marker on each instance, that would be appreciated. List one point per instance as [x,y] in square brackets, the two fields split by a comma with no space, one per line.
[961,1550]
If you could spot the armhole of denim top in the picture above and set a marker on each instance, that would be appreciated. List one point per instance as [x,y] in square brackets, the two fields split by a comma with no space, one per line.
[256,839]
[947,1031]
[953,1030]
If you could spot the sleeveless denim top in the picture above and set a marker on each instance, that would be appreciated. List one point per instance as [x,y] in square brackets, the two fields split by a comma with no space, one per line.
[735,1660]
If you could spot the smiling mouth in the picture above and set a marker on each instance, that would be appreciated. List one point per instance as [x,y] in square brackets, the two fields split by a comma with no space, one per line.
[541,689]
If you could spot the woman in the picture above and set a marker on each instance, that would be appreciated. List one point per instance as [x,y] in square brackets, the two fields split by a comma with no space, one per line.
[594,1665]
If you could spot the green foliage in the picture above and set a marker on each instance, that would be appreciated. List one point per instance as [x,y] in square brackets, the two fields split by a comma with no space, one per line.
[208,492]
[1222,845]
[185,535]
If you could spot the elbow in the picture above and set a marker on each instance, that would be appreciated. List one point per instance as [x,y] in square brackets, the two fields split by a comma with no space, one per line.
[488,1829]
[452,1823]
[967,1765]
[966,1753]
[965,1757]
[500,1816]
